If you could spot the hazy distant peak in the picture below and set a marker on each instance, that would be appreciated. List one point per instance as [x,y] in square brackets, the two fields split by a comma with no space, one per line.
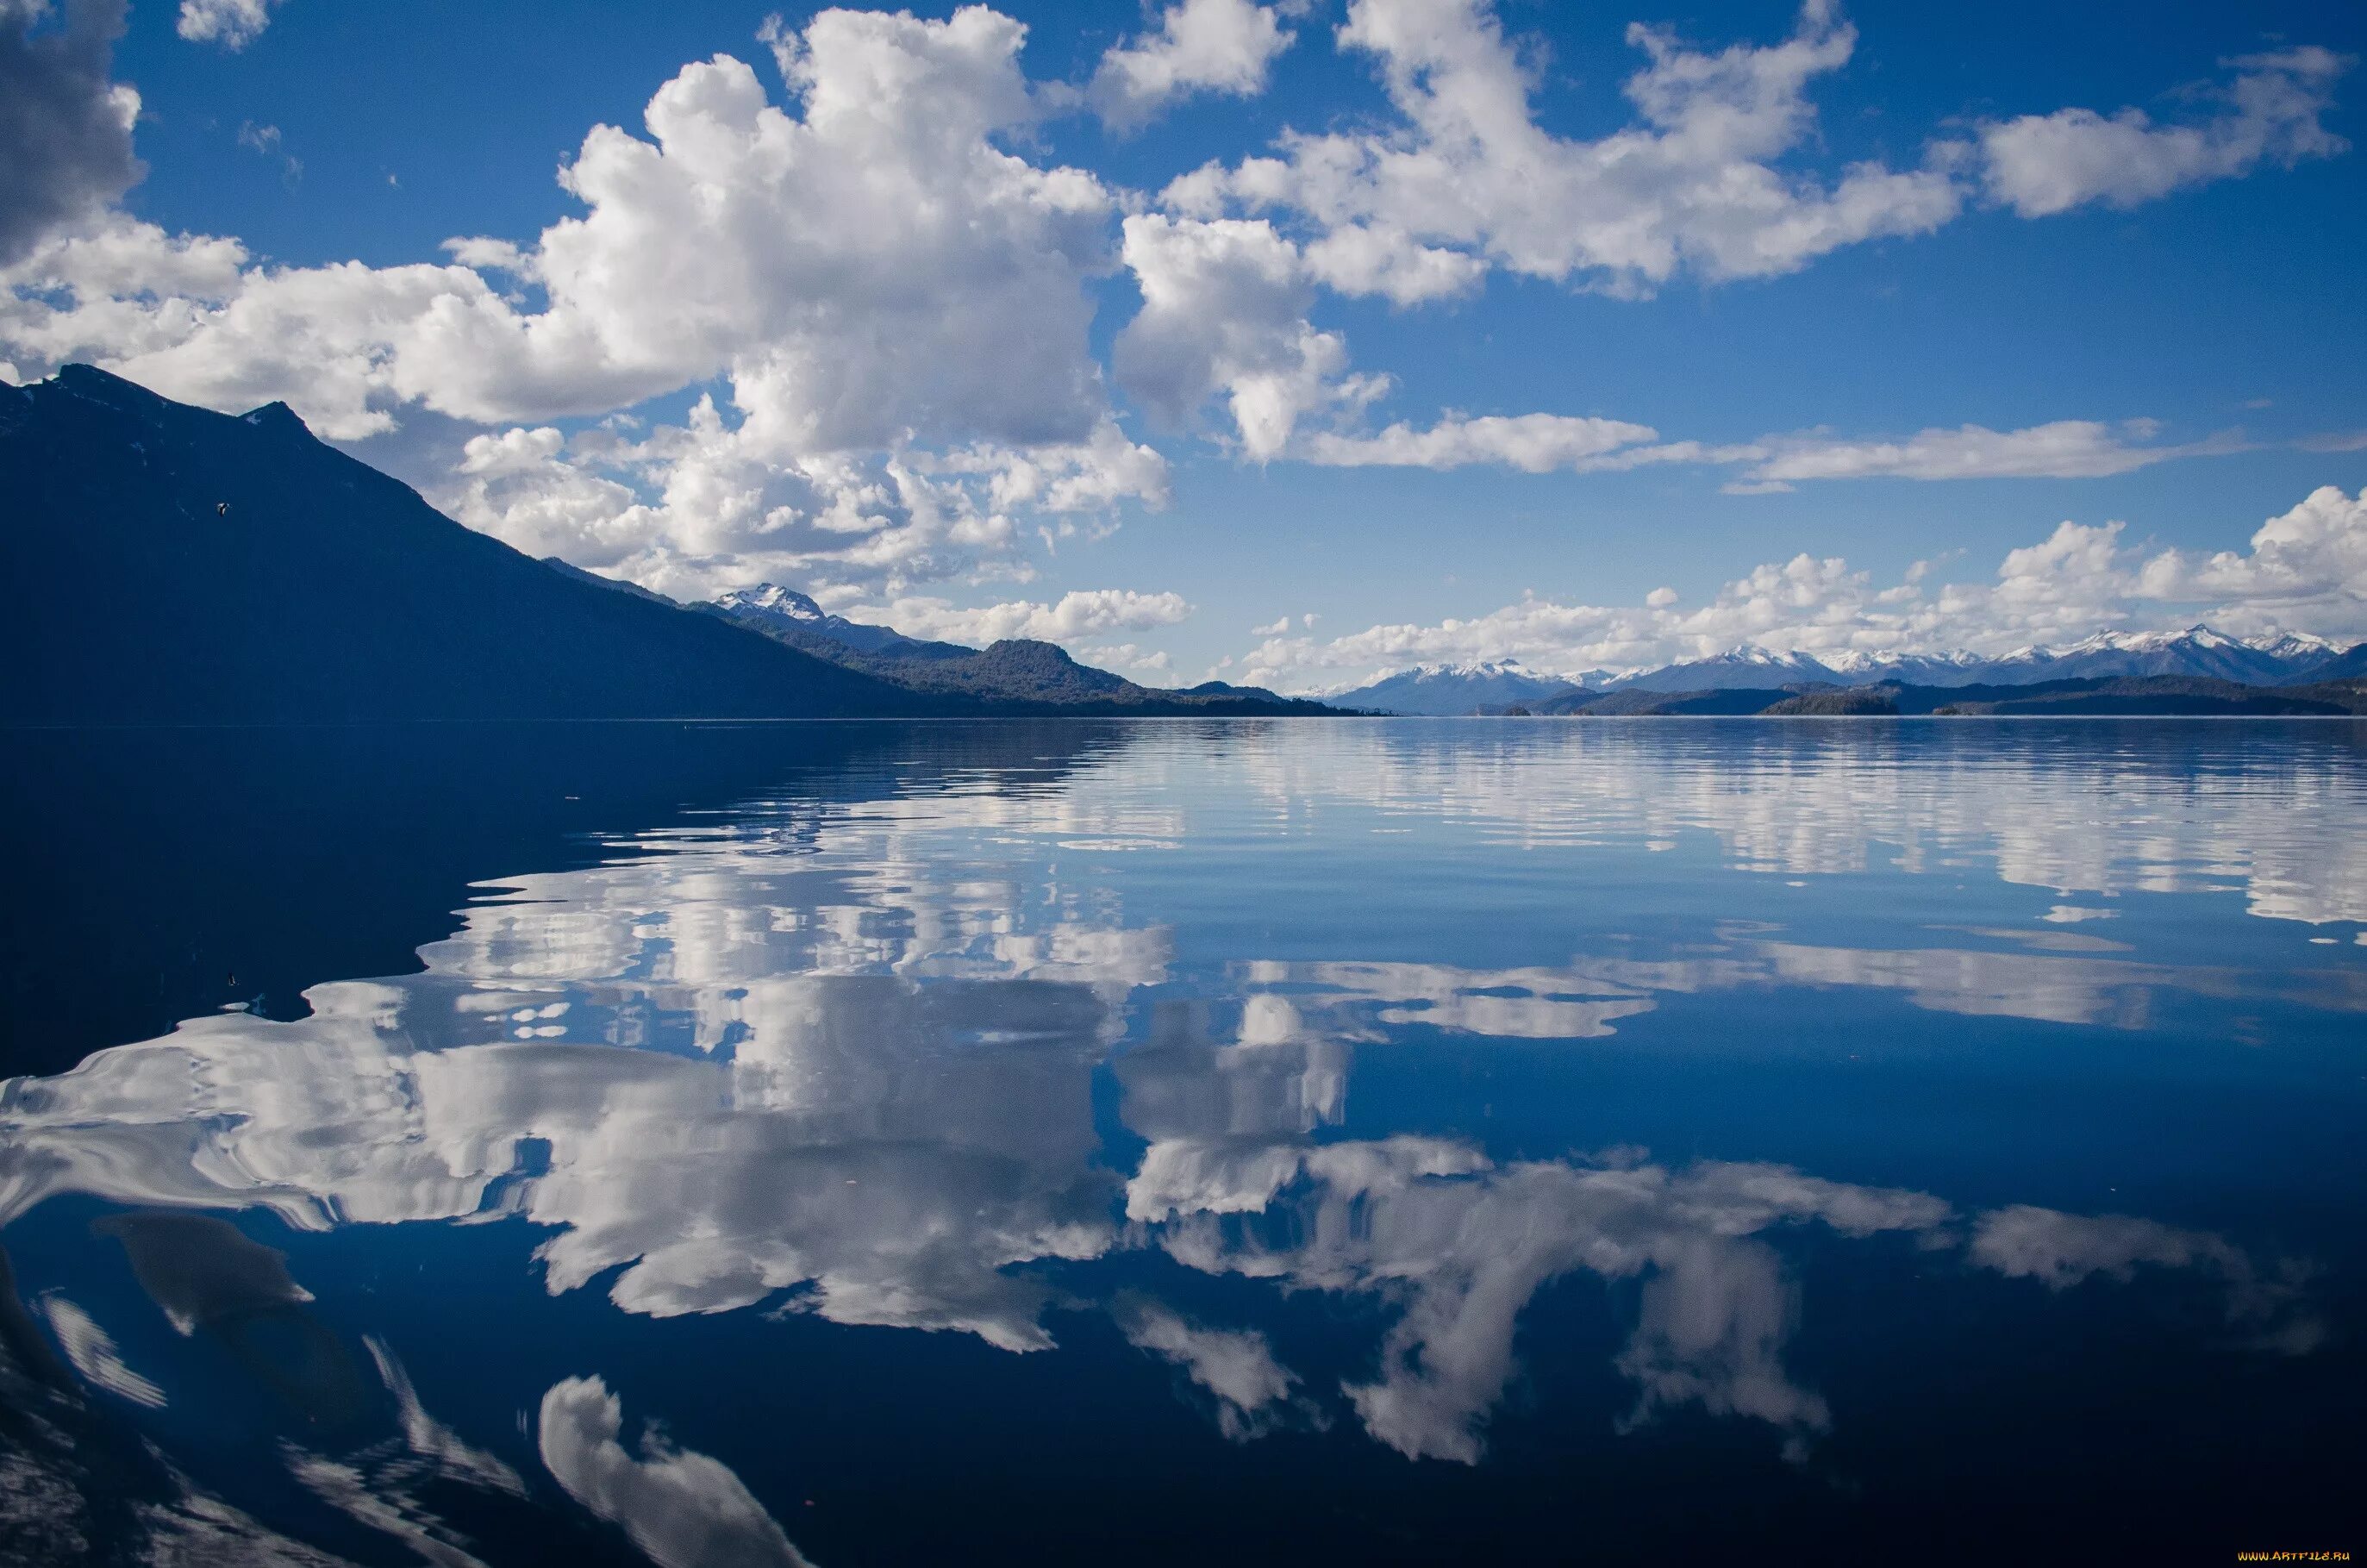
[1449,689]
[2199,635]
[1747,666]
[2199,650]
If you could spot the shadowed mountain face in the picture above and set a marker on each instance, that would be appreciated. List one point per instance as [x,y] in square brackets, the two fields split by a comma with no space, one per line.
[175,564]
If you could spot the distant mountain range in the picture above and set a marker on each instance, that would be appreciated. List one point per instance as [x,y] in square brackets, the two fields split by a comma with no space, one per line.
[171,564]
[175,565]
[1015,670]
[2197,653]
[2087,696]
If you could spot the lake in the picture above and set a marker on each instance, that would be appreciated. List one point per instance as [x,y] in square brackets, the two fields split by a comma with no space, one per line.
[1421,1140]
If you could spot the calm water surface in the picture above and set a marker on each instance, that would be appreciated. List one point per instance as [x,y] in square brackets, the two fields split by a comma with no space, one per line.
[1407,1141]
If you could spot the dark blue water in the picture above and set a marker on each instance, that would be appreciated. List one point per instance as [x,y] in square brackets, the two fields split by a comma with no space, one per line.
[1408,1141]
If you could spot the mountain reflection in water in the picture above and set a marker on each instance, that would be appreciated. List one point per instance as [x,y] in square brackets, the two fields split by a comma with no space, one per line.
[1621,1109]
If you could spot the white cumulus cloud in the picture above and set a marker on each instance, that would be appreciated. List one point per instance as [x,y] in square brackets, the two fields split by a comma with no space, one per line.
[1224,314]
[1214,46]
[1694,183]
[870,266]
[2305,567]
[232,24]
[1083,613]
[2271,112]
[693,508]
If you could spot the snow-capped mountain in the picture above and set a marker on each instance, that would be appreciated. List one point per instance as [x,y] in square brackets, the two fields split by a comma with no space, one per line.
[2197,650]
[1735,669]
[772,601]
[2349,663]
[768,606]
[2303,650]
[1452,689]
[1854,667]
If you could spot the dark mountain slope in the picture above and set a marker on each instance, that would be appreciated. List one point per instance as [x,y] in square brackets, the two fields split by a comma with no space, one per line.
[1020,671]
[172,564]
[1838,702]
[569,569]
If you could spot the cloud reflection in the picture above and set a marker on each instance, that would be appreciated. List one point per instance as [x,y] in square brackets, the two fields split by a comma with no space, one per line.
[844,1062]
[686,1509]
[1235,1367]
[2060,982]
[2130,809]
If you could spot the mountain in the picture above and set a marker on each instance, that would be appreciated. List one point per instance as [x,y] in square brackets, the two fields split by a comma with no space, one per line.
[569,569]
[1740,668]
[2095,696]
[2347,664]
[171,564]
[1854,669]
[1038,676]
[175,564]
[1015,670]
[2300,652]
[791,615]
[2197,650]
[1250,693]
[2191,695]
[1453,689]
[1840,702]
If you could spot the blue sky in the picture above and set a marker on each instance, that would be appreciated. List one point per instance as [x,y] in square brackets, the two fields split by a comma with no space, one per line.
[897,351]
